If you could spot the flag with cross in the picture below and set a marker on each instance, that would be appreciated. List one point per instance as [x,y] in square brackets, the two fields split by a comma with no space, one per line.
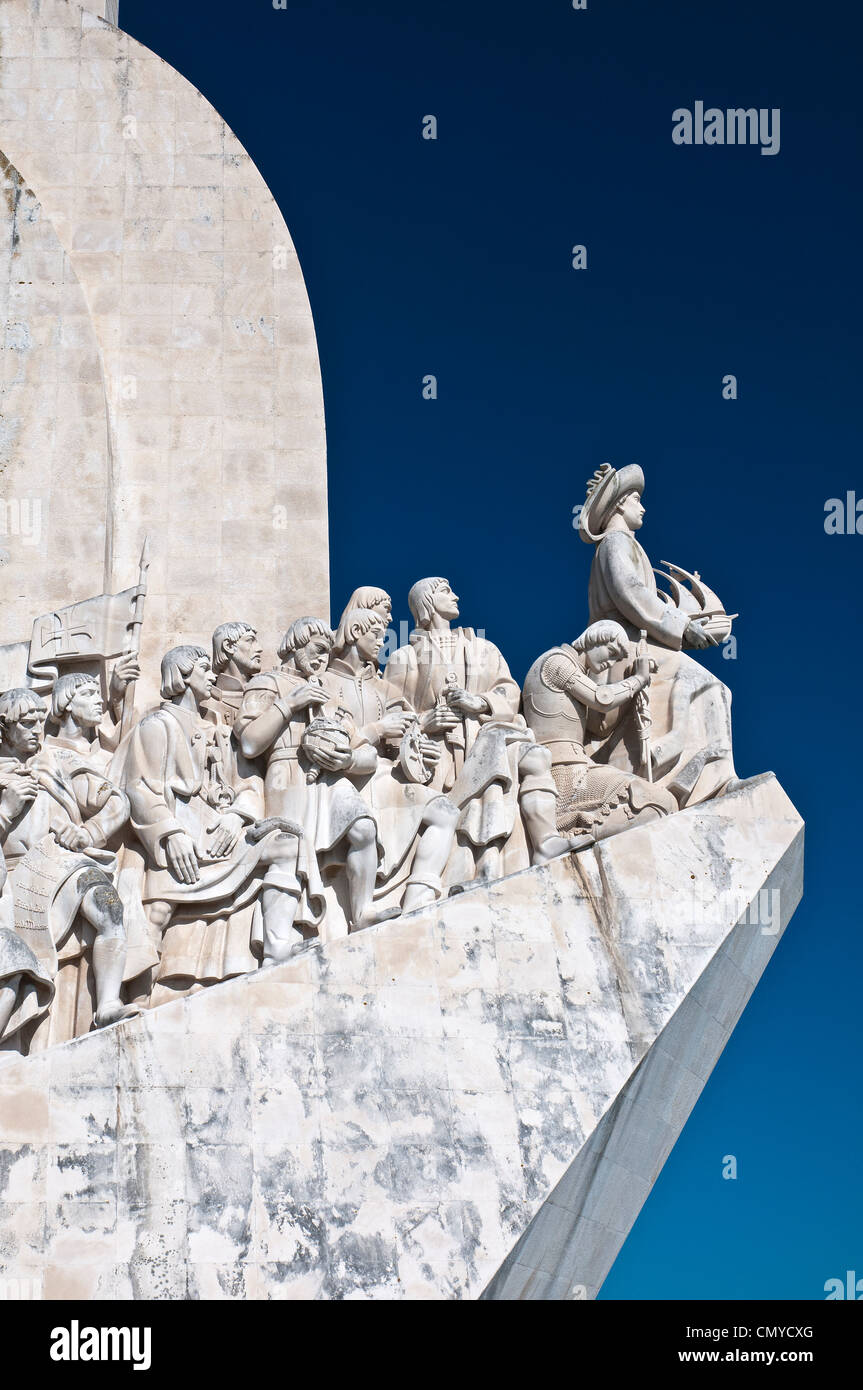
[95,629]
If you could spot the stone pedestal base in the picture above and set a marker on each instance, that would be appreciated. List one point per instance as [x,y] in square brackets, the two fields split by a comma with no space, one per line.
[469,1102]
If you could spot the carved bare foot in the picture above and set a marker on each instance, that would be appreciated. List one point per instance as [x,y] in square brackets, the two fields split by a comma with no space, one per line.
[373,915]
[114,1011]
[555,845]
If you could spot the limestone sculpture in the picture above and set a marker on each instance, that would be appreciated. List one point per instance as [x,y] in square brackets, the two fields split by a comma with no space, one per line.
[690,745]
[563,701]
[490,765]
[221,883]
[324,796]
[343,818]
[416,822]
[253,811]
[58,812]
[340,831]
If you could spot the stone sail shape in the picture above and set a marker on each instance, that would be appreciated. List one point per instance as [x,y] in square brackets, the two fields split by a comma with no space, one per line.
[164,262]
[54,425]
[472,1101]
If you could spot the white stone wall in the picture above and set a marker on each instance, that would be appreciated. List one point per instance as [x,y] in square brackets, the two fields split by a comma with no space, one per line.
[415,1111]
[163,303]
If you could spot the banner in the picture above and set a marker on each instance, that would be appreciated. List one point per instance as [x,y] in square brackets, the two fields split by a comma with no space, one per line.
[96,627]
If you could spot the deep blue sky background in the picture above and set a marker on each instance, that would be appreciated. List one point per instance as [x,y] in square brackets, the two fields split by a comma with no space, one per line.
[453,258]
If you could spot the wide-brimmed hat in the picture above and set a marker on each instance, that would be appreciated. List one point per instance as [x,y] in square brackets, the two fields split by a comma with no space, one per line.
[605,489]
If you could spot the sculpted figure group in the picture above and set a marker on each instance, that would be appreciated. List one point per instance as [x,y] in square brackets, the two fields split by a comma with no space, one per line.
[252,811]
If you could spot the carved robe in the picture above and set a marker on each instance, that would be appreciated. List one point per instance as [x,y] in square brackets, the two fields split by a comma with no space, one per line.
[690,709]
[180,773]
[479,765]
[47,884]
[227,698]
[396,803]
[326,807]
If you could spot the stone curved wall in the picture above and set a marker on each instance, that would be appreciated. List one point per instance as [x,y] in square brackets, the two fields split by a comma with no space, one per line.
[204,424]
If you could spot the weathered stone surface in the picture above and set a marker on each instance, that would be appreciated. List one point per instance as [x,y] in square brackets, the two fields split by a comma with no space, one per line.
[432,1108]
[160,365]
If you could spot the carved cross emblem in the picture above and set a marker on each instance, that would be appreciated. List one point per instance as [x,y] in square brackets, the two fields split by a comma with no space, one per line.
[62,630]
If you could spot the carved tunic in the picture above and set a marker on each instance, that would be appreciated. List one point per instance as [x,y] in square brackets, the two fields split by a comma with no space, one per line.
[226,699]
[47,883]
[396,803]
[479,767]
[623,587]
[326,808]
[690,709]
[179,773]
[560,698]
[421,671]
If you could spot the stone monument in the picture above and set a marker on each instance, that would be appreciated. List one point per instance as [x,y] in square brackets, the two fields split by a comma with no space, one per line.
[317,980]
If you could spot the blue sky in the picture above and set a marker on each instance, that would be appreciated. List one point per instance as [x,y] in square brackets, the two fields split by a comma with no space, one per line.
[453,257]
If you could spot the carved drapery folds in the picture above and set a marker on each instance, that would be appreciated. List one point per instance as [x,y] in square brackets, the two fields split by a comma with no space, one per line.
[151,850]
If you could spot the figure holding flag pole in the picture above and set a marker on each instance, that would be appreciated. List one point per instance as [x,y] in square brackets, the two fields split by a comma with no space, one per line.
[131,660]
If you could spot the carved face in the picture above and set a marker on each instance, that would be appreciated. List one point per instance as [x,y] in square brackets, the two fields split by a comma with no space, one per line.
[311,659]
[632,511]
[247,653]
[86,706]
[601,657]
[369,643]
[25,737]
[201,680]
[445,601]
[384,607]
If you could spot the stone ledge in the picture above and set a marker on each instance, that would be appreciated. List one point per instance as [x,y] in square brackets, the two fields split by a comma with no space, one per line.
[443,1105]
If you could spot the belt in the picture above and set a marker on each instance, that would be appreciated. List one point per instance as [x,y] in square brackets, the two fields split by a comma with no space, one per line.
[281,755]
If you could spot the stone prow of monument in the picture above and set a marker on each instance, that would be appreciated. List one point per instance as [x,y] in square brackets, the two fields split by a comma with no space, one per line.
[470,1102]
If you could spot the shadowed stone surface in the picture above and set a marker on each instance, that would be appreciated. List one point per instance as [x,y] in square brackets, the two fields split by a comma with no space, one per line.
[415,1111]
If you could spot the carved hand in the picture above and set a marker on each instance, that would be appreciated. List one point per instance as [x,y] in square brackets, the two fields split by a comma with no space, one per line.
[72,837]
[334,760]
[306,696]
[439,721]
[430,751]
[391,728]
[466,703]
[127,669]
[20,790]
[694,635]
[181,856]
[226,834]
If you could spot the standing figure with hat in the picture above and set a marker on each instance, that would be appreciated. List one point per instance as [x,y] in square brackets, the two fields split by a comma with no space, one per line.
[689,752]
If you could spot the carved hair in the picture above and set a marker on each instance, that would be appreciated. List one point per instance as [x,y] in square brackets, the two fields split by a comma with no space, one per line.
[177,666]
[227,632]
[300,633]
[64,691]
[420,599]
[14,704]
[601,634]
[368,596]
[358,621]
